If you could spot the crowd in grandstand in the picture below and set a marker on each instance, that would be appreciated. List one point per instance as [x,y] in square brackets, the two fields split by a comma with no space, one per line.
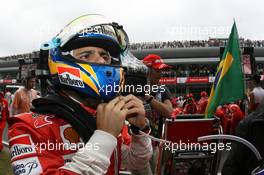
[199,70]
[195,70]
[212,42]
[190,70]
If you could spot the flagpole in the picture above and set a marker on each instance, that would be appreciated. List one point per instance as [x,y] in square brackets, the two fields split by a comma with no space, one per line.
[244,79]
[244,75]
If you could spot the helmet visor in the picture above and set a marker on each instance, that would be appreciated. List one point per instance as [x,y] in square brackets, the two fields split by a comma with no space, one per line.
[94,26]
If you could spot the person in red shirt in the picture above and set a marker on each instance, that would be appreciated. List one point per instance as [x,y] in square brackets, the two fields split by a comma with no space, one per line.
[220,112]
[237,115]
[225,117]
[4,116]
[202,103]
[176,111]
[158,105]
[79,127]
[190,106]
[174,101]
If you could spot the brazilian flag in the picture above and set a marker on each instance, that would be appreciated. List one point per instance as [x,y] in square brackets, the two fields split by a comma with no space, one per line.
[228,85]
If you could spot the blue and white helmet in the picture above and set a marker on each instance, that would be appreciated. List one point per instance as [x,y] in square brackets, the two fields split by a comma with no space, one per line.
[88,79]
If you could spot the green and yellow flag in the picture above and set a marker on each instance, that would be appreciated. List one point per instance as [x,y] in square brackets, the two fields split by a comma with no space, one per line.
[228,85]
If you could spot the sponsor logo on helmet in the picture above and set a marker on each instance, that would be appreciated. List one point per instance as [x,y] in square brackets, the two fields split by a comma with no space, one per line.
[70,76]
[21,145]
[102,29]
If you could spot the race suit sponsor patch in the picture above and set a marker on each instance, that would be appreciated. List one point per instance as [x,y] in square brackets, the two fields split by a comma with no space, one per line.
[28,166]
[21,145]
[70,138]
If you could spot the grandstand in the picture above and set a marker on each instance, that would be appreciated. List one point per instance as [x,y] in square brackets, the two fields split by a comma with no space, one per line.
[211,42]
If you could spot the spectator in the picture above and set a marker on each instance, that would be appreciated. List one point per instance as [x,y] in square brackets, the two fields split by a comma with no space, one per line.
[202,103]
[9,97]
[190,106]
[256,96]
[237,115]
[158,101]
[23,97]
[4,116]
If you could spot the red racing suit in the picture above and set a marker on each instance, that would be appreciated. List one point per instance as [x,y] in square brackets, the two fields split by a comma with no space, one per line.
[44,144]
[176,111]
[202,103]
[190,108]
[4,116]
[237,115]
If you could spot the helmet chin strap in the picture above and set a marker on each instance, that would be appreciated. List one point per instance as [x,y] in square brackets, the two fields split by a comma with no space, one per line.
[68,109]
